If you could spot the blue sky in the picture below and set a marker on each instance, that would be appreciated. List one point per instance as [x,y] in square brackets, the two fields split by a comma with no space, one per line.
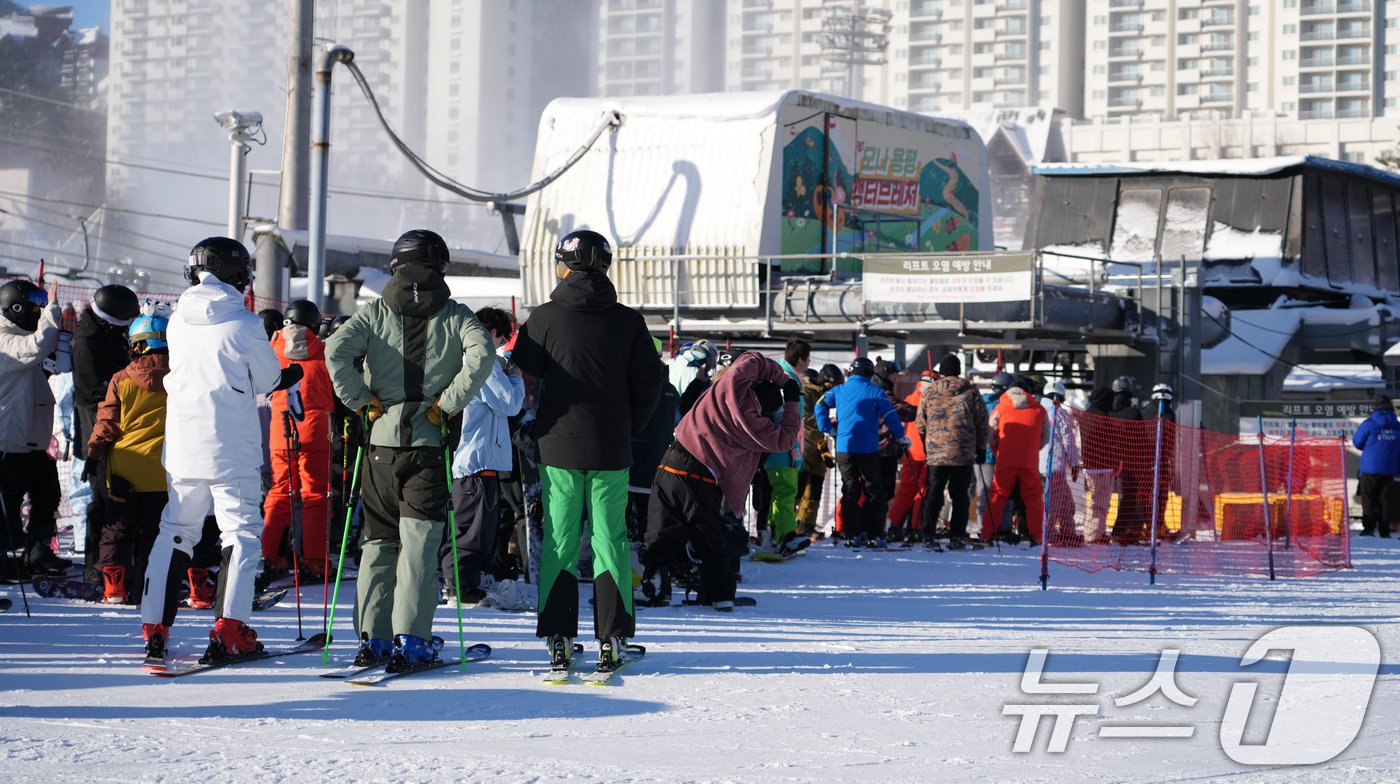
[87,13]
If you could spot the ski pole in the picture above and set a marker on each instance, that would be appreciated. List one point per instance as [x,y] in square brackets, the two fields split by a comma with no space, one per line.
[345,537]
[294,492]
[452,529]
[18,563]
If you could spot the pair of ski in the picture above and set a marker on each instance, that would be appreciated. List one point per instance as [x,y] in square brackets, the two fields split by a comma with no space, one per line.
[562,675]
[375,673]
[360,676]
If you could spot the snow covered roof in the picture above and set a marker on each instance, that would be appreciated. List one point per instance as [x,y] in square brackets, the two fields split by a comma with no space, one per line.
[1229,167]
[1324,378]
[1254,337]
[1028,131]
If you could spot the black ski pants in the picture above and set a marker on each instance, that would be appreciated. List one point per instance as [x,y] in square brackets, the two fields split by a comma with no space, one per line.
[35,475]
[957,481]
[687,508]
[1375,504]
[861,474]
[476,505]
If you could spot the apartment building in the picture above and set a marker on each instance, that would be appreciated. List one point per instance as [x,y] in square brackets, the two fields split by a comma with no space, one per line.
[1309,59]
[977,54]
[660,47]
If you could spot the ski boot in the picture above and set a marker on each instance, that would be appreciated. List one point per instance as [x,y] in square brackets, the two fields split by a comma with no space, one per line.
[114,585]
[203,588]
[230,638]
[156,635]
[410,652]
[373,650]
[610,652]
[561,649]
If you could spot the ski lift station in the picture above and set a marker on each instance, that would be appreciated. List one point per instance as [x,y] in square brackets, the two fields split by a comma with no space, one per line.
[761,216]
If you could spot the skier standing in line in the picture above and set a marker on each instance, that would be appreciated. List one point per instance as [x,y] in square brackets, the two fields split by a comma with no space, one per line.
[100,349]
[425,358]
[818,459]
[861,407]
[309,408]
[1378,438]
[28,335]
[601,382]
[783,467]
[481,457]
[952,423]
[127,438]
[699,492]
[219,362]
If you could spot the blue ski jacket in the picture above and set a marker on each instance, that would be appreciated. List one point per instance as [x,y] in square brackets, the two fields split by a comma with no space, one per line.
[859,405]
[1378,438]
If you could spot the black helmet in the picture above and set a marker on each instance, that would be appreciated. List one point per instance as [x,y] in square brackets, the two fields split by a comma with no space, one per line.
[1002,382]
[116,305]
[832,375]
[419,246]
[861,366]
[584,250]
[226,259]
[22,302]
[302,312]
[811,376]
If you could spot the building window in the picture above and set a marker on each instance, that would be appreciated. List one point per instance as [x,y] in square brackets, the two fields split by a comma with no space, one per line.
[1186,89]
[1188,13]
[1099,95]
[1098,44]
[1290,29]
[1100,69]
[1290,54]
[1289,81]
[1252,87]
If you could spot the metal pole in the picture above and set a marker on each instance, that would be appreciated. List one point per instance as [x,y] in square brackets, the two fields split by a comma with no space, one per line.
[1045,512]
[320,171]
[1264,488]
[1156,487]
[294,195]
[1346,502]
[675,294]
[1288,505]
[237,192]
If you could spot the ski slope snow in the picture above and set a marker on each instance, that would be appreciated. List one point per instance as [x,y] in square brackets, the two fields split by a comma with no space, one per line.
[855,666]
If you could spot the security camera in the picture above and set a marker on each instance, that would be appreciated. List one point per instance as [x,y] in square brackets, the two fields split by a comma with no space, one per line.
[233,120]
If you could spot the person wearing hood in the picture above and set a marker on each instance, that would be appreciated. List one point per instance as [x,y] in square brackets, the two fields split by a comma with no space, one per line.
[952,424]
[425,358]
[1016,432]
[304,414]
[220,361]
[698,497]
[28,335]
[99,350]
[1378,438]
[1102,461]
[1064,425]
[601,382]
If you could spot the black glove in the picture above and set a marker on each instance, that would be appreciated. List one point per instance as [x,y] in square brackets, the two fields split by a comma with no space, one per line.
[791,391]
[981,458]
[829,460]
[291,374]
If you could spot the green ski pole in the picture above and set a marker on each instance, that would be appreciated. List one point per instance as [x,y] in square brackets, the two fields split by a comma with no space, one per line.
[452,532]
[350,504]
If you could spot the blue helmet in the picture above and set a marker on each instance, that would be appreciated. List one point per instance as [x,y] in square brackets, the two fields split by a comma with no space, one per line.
[147,333]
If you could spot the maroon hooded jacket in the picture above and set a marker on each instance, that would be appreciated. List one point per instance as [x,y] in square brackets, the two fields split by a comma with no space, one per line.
[728,431]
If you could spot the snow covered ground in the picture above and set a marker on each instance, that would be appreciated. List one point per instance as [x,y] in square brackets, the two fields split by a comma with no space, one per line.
[881,667]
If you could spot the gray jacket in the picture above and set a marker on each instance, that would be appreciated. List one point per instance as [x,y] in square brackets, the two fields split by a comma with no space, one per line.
[26,402]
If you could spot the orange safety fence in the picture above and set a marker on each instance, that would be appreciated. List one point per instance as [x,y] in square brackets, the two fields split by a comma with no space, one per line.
[1159,497]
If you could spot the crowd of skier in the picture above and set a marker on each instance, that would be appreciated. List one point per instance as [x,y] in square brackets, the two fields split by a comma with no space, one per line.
[220,444]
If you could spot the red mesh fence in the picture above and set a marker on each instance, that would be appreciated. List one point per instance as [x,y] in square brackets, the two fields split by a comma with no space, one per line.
[1159,497]
[80,296]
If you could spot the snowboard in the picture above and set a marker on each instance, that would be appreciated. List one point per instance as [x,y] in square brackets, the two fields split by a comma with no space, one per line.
[65,588]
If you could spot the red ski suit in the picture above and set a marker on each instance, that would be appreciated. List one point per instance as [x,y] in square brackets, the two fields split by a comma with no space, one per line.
[1019,428]
[297,344]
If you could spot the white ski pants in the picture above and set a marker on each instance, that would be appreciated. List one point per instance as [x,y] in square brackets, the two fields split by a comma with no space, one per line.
[235,506]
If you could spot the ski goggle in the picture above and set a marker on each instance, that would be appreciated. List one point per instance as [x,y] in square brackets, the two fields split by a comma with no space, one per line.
[38,298]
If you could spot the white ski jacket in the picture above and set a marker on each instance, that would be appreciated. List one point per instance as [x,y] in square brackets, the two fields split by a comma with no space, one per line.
[220,360]
[26,402]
